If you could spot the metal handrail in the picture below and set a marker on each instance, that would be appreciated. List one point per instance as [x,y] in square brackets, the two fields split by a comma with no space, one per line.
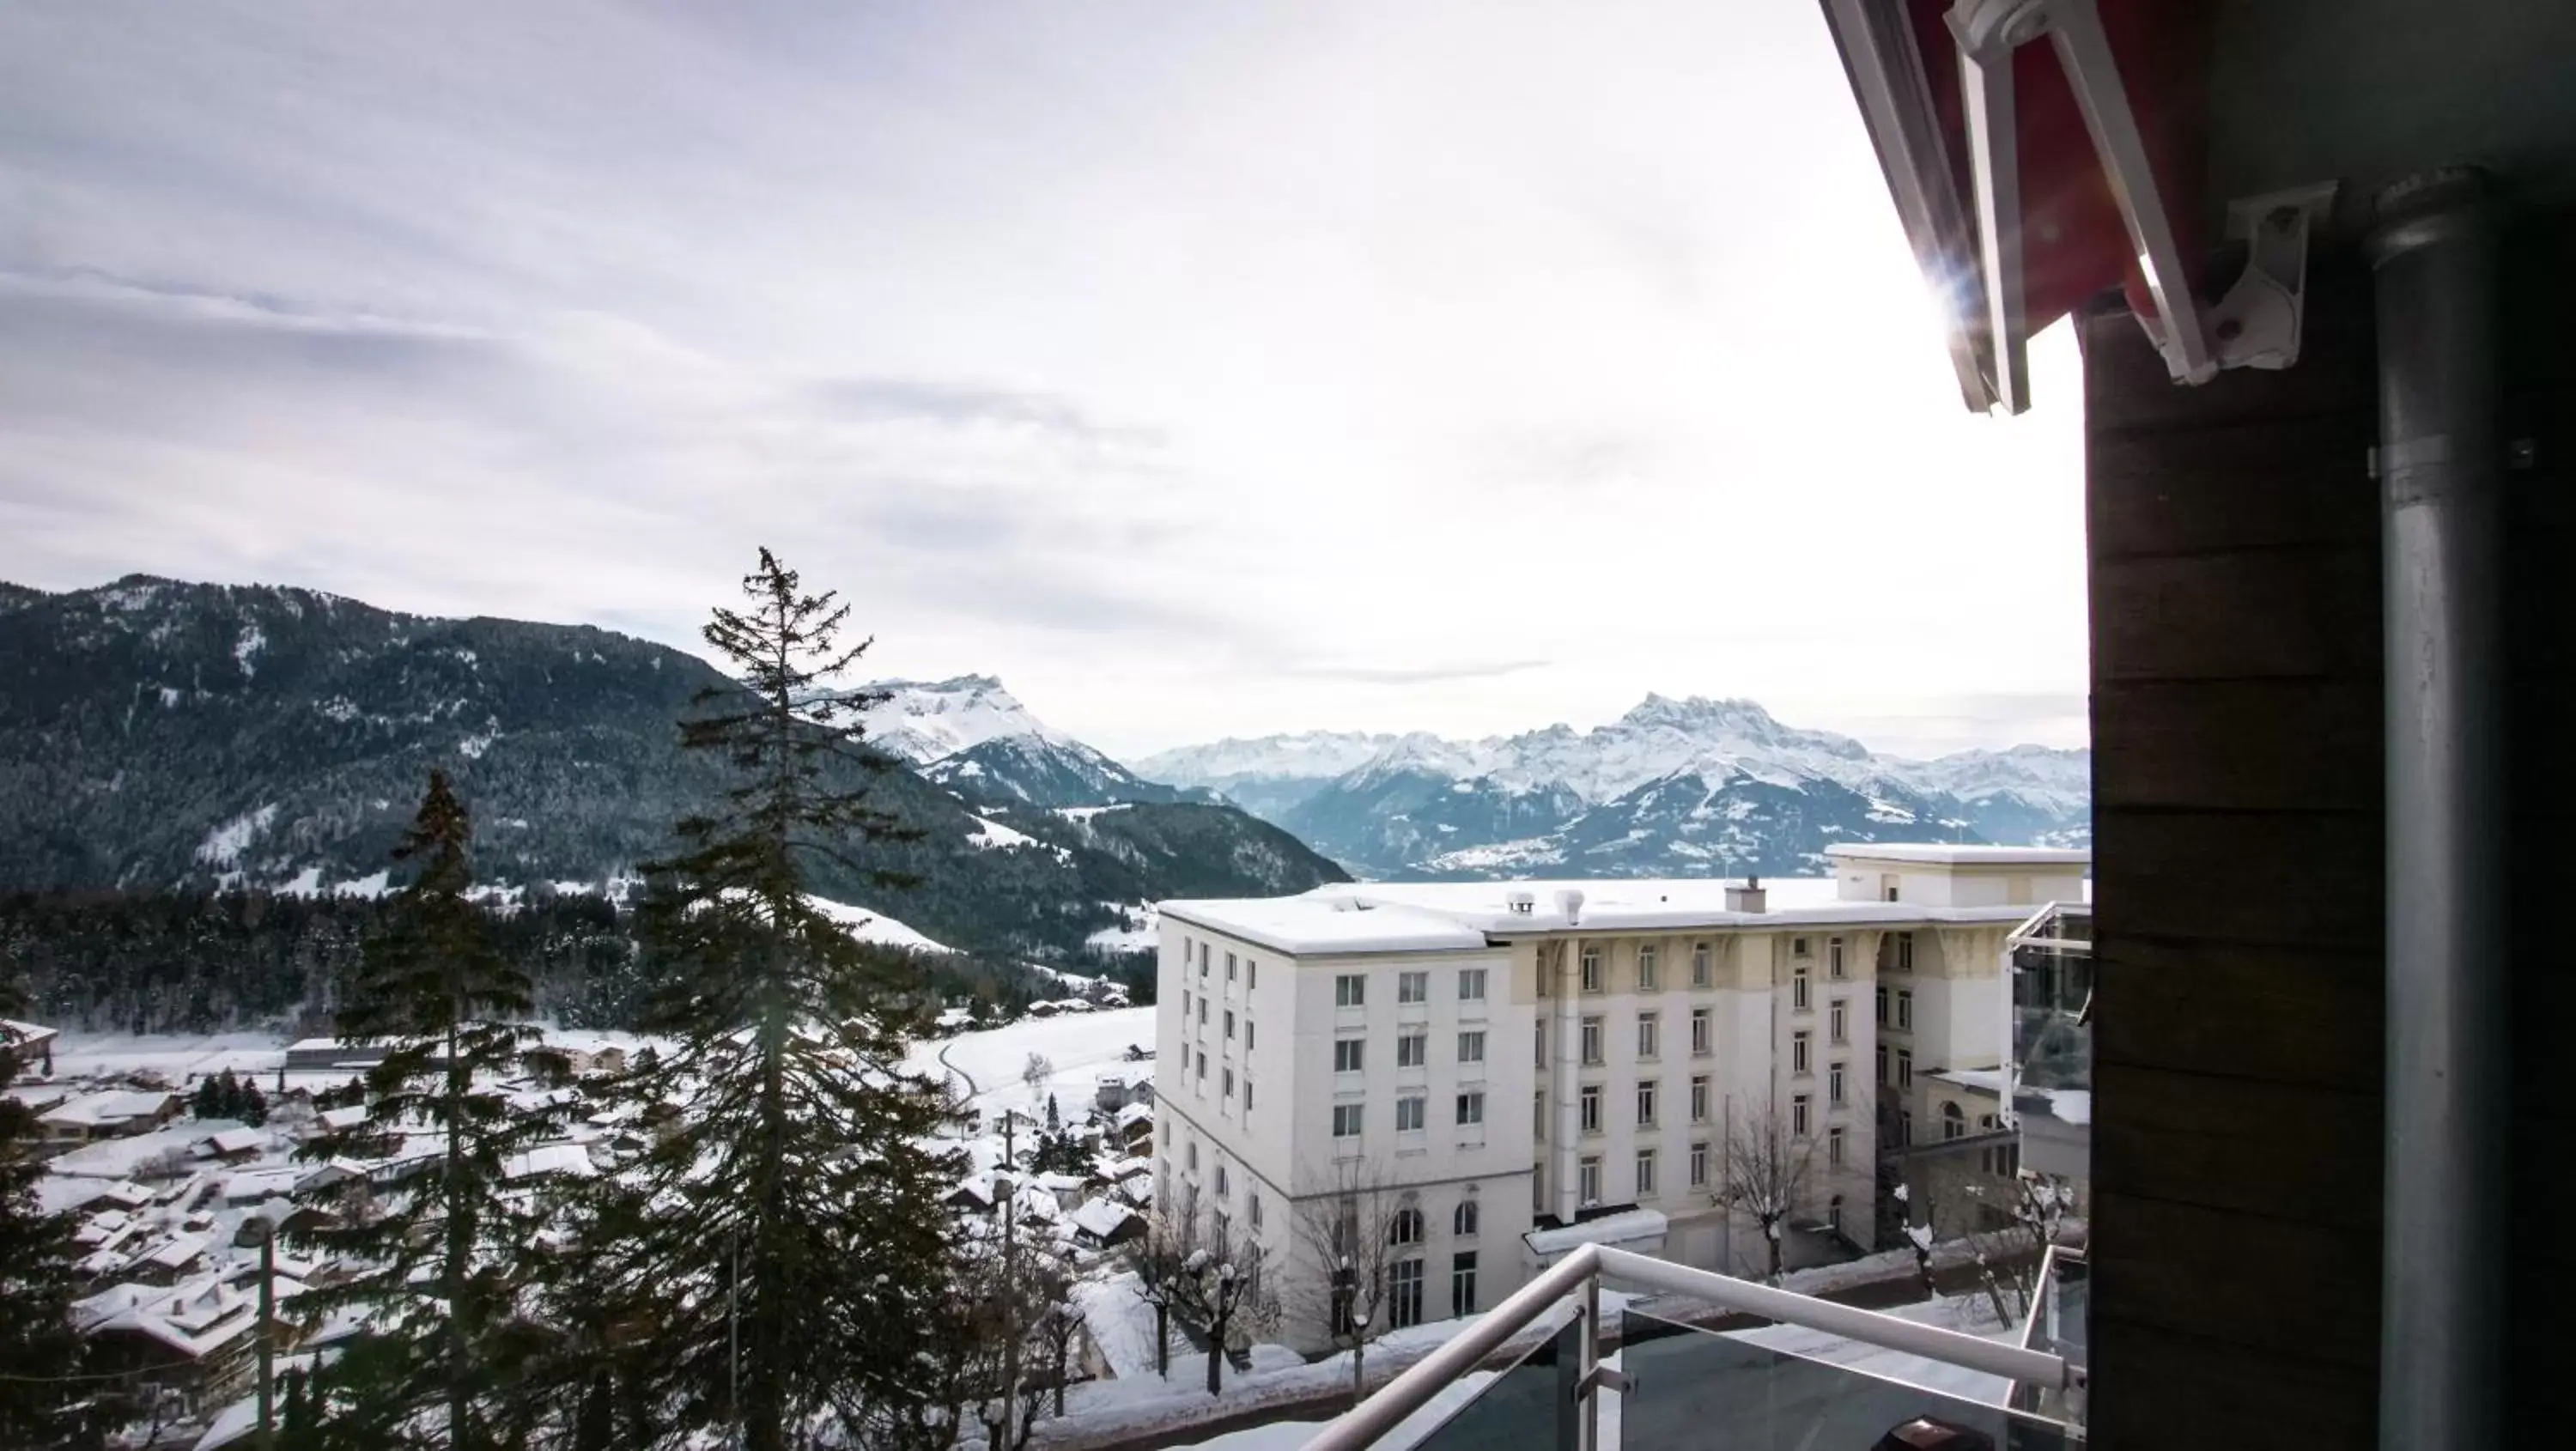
[1364,1423]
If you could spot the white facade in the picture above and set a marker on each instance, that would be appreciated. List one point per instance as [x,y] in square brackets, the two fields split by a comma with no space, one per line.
[1572,1072]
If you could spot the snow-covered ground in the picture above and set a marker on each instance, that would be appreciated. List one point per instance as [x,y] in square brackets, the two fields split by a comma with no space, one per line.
[871,926]
[1140,929]
[1079,1047]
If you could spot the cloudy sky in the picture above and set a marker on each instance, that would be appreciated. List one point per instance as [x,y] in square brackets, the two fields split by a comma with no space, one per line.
[1199,369]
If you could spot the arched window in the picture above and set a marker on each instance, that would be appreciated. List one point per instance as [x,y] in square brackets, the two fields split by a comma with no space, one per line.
[1463,1223]
[1954,1123]
[1406,1228]
[1220,1181]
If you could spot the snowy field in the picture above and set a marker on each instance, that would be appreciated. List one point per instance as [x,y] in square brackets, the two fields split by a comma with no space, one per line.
[985,1067]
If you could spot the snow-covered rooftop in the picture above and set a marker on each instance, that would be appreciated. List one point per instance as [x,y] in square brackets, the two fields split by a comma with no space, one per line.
[1461,916]
[1625,1227]
[1935,854]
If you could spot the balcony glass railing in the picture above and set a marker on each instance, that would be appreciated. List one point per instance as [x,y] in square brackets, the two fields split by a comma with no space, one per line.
[1822,1375]
[2052,1017]
[1738,1392]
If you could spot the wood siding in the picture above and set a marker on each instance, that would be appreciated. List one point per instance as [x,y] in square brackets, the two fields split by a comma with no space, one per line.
[2234,550]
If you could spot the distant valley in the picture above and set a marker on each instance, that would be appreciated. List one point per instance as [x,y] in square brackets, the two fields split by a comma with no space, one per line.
[1689,787]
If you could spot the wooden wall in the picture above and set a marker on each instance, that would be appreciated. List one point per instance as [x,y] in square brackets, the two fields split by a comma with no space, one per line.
[2234,550]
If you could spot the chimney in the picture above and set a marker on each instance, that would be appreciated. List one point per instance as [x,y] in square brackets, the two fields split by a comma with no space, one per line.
[1569,905]
[1748,898]
[1521,903]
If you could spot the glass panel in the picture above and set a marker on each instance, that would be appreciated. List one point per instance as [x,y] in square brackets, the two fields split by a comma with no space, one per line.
[1782,1388]
[1528,1407]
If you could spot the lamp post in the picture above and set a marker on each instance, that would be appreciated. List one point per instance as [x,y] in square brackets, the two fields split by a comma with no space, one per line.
[260,1225]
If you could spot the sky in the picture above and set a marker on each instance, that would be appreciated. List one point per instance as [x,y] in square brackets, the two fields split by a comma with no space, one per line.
[1200,370]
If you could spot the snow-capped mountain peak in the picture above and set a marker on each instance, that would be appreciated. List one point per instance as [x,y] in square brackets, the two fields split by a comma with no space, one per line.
[923,721]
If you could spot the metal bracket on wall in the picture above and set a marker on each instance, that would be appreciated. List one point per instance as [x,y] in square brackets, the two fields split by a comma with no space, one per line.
[1604,1378]
[2256,325]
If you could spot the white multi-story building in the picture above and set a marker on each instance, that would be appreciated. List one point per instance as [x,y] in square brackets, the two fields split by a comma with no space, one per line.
[1528,1066]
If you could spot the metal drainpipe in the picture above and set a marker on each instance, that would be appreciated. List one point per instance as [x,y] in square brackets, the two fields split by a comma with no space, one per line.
[2445,1183]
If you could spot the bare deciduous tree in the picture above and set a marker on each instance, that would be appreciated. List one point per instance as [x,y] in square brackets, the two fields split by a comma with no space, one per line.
[1766,1176]
[1224,1289]
[1349,1240]
[1157,1257]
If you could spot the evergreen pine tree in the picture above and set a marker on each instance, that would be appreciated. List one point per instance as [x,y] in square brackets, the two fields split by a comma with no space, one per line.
[797,1213]
[37,1280]
[442,1258]
[253,1107]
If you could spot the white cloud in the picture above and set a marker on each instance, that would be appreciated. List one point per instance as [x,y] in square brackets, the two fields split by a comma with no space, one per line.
[1200,370]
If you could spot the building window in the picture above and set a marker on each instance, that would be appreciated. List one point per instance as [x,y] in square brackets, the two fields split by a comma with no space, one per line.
[1649,970]
[1220,1181]
[1702,1025]
[1192,1161]
[1592,1040]
[1538,1116]
[1406,1227]
[1408,1113]
[1167,1133]
[1463,1222]
[1904,952]
[1203,959]
[1350,990]
[1229,1025]
[1833,957]
[1701,966]
[1412,987]
[1346,1120]
[1905,1068]
[1247,1093]
[1591,960]
[1882,1002]
[1905,1010]
[1798,998]
[1471,984]
[1471,1046]
[1229,967]
[1834,1146]
[1699,1164]
[1954,1124]
[1646,1104]
[1404,1294]
[1801,1044]
[1247,1033]
[1202,1074]
[1253,1212]
[1645,1173]
[1228,1076]
[1834,1084]
[1539,1035]
[1650,1035]
[1800,1120]
[1185,1002]
[1591,1102]
[1838,1020]
[1904,1128]
[1471,1108]
[1699,1098]
[1350,1055]
[1587,1179]
[1882,1065]
[1834,1214]
[1462,1283]
[1251,974]
[1202,1012]
[1413,1050]
[1188,946]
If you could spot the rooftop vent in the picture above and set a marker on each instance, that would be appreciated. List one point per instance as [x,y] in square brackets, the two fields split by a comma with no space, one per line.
[1521,903]
[1569,905]
[1748,898]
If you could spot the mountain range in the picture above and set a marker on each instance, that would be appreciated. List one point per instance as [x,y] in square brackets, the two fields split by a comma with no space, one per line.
[1676,787]
[158,734]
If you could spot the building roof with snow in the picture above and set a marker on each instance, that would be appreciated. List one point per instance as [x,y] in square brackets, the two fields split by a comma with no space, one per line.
[113,1107]
[1384,917]
[1103,1219]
